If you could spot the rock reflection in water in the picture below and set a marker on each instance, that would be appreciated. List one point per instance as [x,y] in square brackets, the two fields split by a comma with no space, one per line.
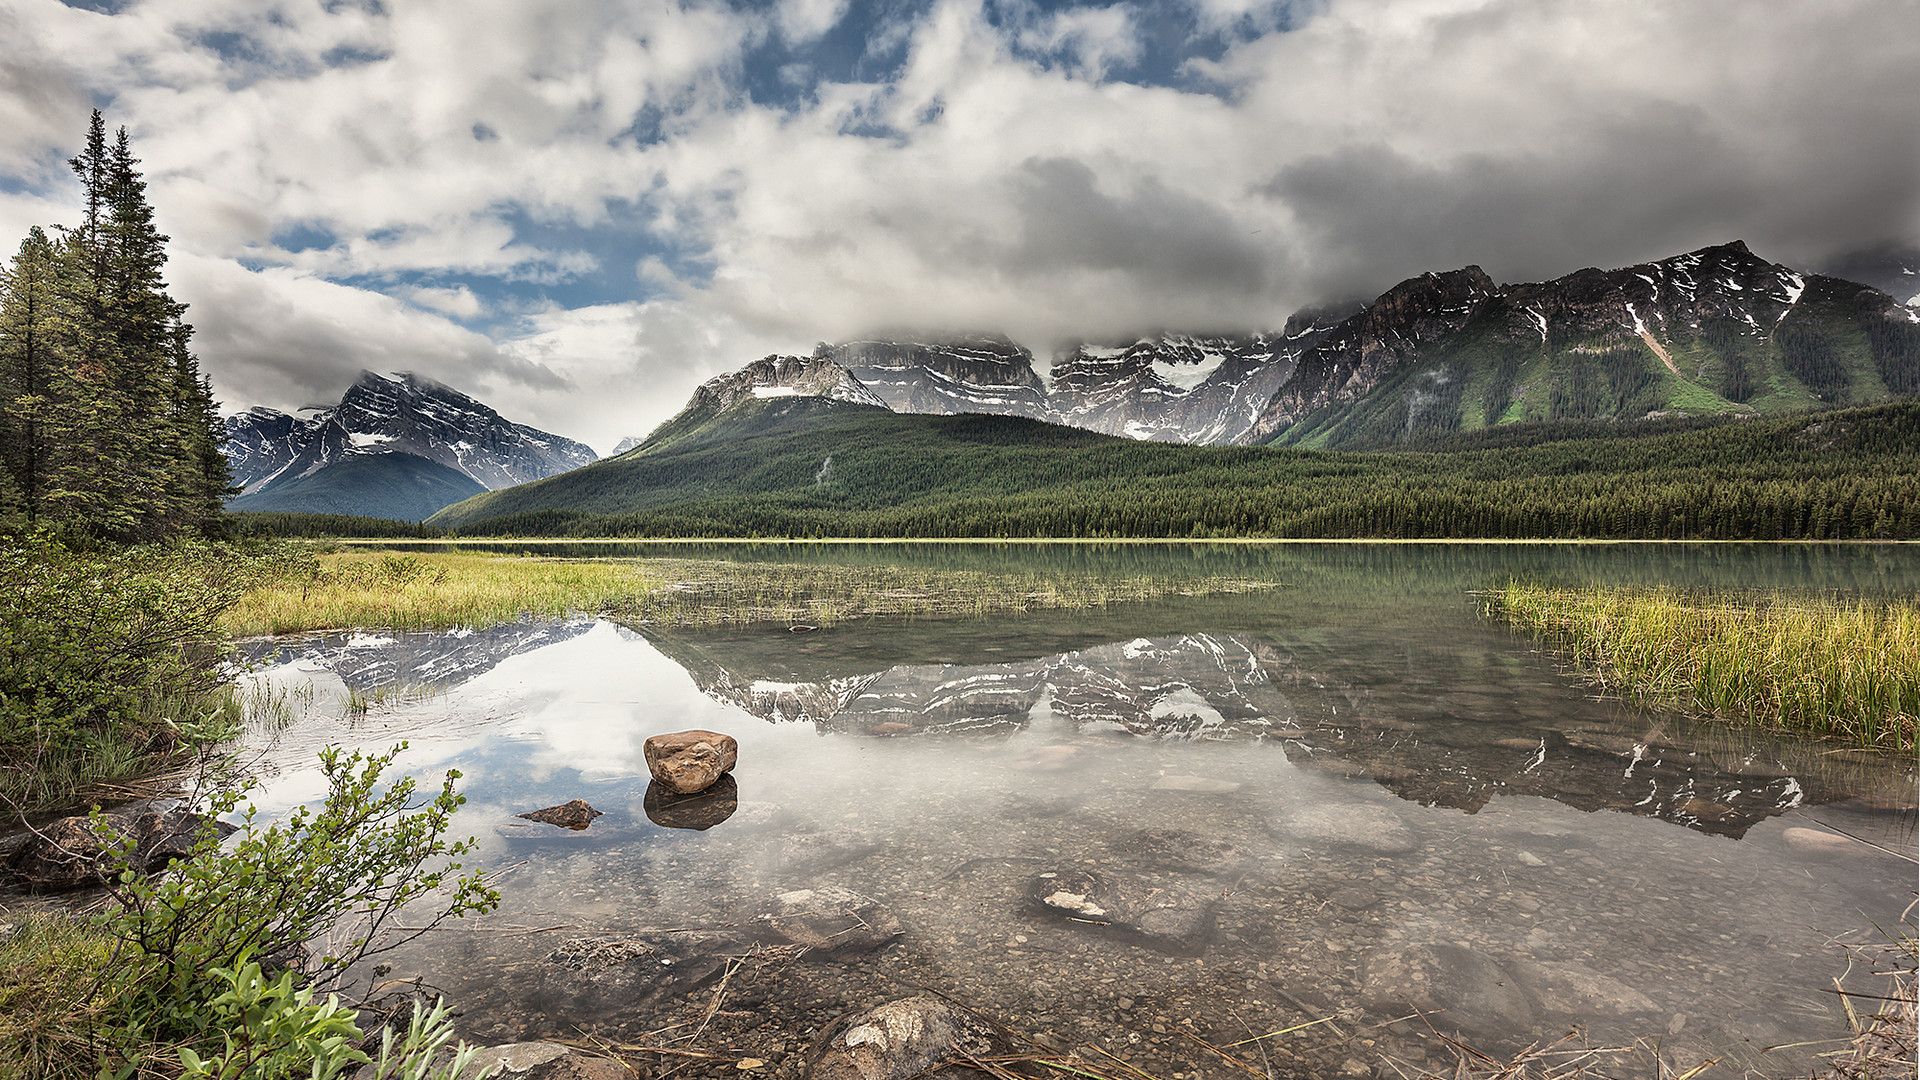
[700,810]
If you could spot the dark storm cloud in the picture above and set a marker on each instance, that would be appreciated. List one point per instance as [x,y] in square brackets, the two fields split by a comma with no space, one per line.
[1156,238]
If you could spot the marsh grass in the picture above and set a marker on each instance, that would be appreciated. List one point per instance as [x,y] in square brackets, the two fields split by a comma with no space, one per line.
[714,592]
[48,1027]
[428,591]
[1812,664]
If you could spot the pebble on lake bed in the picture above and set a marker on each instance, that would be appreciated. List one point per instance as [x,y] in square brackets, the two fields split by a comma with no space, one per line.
[1816,840]
[690,761]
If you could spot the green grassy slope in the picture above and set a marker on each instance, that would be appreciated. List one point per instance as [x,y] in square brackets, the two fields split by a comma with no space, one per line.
[401,487]
[760,472]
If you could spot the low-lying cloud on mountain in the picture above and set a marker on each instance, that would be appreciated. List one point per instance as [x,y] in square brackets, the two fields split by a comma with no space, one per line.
[580,212]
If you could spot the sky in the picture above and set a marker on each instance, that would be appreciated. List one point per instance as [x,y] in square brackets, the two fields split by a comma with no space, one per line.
[577,212]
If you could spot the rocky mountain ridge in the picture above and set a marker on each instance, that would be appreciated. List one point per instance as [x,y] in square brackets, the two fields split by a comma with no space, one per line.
[398,414]
[1718,330]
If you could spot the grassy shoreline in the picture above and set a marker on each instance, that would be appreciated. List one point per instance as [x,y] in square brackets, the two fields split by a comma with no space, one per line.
[1814,665]
[364,589]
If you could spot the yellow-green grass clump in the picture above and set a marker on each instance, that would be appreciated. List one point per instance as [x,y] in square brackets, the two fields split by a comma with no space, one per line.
[1817,665]
[61,981]
[427,591]
[712,592]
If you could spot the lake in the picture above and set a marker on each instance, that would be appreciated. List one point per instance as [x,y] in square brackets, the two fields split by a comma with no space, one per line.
[1350,802]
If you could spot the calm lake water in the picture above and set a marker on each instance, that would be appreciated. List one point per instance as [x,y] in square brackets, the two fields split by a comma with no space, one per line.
[1348,798]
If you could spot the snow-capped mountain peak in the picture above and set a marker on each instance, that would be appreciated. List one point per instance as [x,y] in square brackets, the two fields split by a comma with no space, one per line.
[397,413]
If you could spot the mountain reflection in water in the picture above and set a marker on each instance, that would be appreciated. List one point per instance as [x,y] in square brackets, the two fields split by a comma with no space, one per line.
[1349,779]
[1228,687]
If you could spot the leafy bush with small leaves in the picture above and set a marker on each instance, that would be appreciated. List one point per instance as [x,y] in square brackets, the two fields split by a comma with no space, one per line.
[208,969]
[343,870]
[105,655]
[270,1029]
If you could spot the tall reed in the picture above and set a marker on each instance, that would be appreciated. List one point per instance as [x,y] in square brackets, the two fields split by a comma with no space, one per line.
[1815,664]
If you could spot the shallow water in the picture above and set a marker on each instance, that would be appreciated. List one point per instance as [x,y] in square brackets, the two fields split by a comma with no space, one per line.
[1340,783]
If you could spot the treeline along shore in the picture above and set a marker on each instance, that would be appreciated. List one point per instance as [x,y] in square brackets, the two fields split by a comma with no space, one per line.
[1841,475]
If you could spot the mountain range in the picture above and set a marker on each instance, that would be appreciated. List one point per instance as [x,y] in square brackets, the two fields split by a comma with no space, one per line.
[1597,404]
[1718,331]
[398,446]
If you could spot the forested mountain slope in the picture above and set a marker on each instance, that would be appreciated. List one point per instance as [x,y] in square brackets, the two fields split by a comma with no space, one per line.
[806,466]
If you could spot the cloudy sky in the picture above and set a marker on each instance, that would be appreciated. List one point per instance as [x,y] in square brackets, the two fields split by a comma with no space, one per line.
[576,211]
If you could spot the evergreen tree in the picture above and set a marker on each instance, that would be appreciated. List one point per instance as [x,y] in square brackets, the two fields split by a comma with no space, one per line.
[30,332]
[106,423]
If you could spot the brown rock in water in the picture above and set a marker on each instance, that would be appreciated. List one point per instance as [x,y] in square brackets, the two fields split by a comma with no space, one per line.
[574,814]
[901,1039]
[71,854]
[1816,840]
[891,727]
[690,761]
[699,811]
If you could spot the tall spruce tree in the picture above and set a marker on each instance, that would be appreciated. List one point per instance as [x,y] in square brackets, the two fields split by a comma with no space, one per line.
[106,423]
[30,333]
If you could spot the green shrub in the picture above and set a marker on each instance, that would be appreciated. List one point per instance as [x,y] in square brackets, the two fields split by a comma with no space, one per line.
[207,968]
[341,871]
[109,658]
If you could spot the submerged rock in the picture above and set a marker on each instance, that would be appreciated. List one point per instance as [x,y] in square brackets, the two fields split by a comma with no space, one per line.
[1175,849]
[690,761]
[1211,785]
[1461,989]
[901,1039]
[1361,825]
[589,978]
[832,922]
[1577,991]
[1165,914]
[542,1061]
[574,814]
[1818,841]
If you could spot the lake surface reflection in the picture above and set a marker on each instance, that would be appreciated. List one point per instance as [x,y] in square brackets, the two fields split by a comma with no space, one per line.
[1344,800]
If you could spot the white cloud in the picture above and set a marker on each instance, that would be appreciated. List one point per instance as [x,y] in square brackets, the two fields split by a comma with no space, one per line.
[629,366]
[1000,179]
[283,338]
[802,21]
[458,302]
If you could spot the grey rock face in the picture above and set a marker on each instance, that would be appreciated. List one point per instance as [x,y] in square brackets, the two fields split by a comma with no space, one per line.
[963,375]
[1172,387]
[402,413]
